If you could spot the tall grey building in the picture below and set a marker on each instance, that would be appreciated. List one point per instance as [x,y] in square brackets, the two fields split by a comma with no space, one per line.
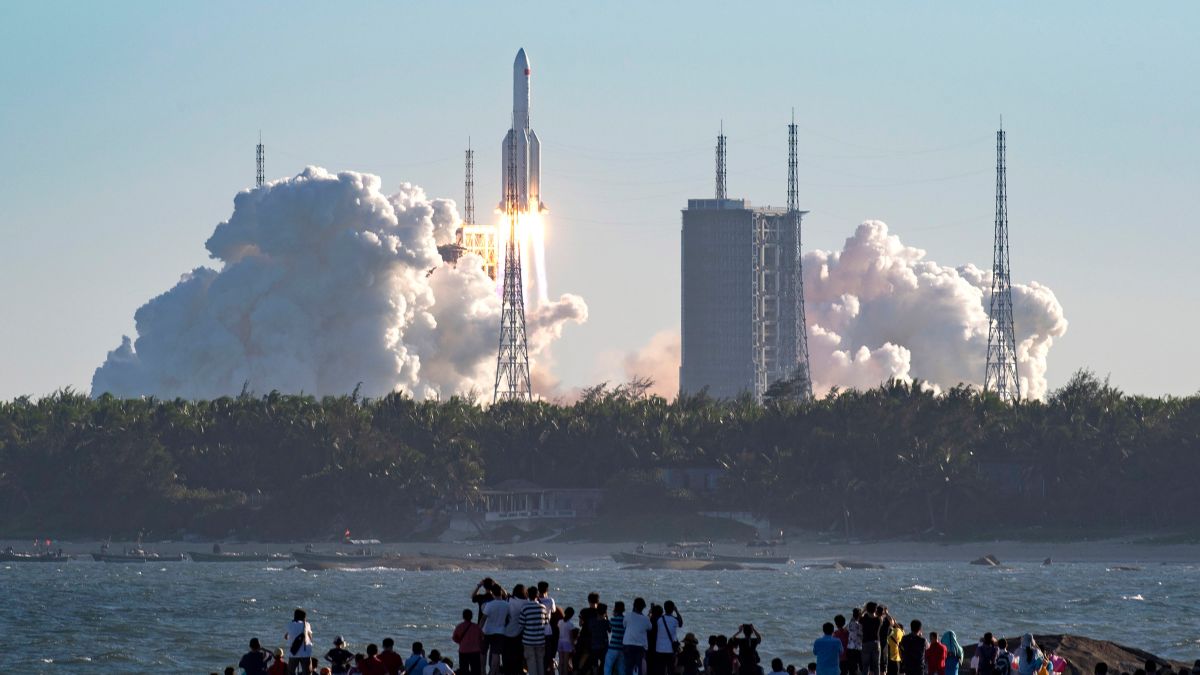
[741,296]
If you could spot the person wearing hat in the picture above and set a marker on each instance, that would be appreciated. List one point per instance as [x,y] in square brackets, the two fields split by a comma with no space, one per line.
[339,658]
[689,661]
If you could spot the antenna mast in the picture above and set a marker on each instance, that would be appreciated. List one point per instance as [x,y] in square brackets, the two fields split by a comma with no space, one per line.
[512,359]
[1001,374]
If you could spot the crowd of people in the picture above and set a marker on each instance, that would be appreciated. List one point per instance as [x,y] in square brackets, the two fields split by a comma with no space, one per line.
[524,631]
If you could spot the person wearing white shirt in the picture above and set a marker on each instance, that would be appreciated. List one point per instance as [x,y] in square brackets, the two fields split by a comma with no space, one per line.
[437,665]
[495,621]
[514,650]
[666,629]
[637,638]
[299,641]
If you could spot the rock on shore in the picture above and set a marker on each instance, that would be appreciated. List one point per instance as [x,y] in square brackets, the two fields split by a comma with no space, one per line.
[1082,654]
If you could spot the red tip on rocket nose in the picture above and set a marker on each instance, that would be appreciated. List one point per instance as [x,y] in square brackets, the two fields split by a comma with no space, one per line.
[526,71]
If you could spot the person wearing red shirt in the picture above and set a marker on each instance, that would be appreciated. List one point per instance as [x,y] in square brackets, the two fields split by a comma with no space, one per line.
[842,633]
[279,666]
[392,660]
[372,665]
[935,656]
[469,637]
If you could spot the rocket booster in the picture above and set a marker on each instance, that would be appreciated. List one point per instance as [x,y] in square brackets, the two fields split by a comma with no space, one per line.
[522,141]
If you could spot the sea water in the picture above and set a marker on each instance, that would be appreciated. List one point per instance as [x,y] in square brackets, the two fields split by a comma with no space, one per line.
[86,617]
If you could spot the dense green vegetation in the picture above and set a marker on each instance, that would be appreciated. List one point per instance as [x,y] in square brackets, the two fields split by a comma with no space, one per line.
[892,461]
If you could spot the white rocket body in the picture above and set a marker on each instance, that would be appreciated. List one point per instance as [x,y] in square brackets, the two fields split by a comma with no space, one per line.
[528,160]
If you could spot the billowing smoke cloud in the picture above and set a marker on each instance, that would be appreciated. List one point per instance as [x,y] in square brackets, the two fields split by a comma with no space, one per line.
[326,282]
[658,361]
[878,310]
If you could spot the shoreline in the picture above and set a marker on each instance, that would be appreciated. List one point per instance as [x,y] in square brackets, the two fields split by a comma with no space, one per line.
[1010,551]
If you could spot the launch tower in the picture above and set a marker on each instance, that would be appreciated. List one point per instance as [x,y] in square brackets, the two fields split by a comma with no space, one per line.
[799,344]
[512,359]
[1001,374]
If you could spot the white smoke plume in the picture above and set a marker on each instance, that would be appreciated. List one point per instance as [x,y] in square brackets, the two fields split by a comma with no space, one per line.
[326,282]
[658,360]
[878,310]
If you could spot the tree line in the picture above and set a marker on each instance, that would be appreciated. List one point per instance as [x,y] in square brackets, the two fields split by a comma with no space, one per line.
[898,460]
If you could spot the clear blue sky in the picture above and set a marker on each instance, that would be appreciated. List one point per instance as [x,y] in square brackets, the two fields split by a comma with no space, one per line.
[126,129]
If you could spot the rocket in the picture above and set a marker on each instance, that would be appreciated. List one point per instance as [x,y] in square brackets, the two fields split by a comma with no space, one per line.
[521,140]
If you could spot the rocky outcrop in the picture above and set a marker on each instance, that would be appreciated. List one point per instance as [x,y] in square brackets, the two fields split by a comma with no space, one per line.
[1082,654]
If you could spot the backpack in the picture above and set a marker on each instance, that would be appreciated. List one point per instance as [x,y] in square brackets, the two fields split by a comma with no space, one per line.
[298,642]
[1003,663]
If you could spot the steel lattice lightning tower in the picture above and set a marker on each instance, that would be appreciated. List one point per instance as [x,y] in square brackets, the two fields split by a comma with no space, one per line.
[721,192]
[512,359]
[1001,374]
[260,178]
[794,215]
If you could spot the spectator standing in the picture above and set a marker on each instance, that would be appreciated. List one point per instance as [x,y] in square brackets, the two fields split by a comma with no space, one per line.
[535,621]
[255,661]
[935,656]
[416,662]
[495,620]
[954,652]
[1029,657]
[340,659]
[985,655]
[689,660]
[747,640]
[392,661]
[841,633]
[854,643]
[299,639]
[614,657]
[828,650]
[371,665]
[566,644]
[869,625]
[469,637]
[637,638]
[912,651]
[514,652]
[1004,658]
[895,635]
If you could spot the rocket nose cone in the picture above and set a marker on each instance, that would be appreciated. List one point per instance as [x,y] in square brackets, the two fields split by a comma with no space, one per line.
[522,61]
